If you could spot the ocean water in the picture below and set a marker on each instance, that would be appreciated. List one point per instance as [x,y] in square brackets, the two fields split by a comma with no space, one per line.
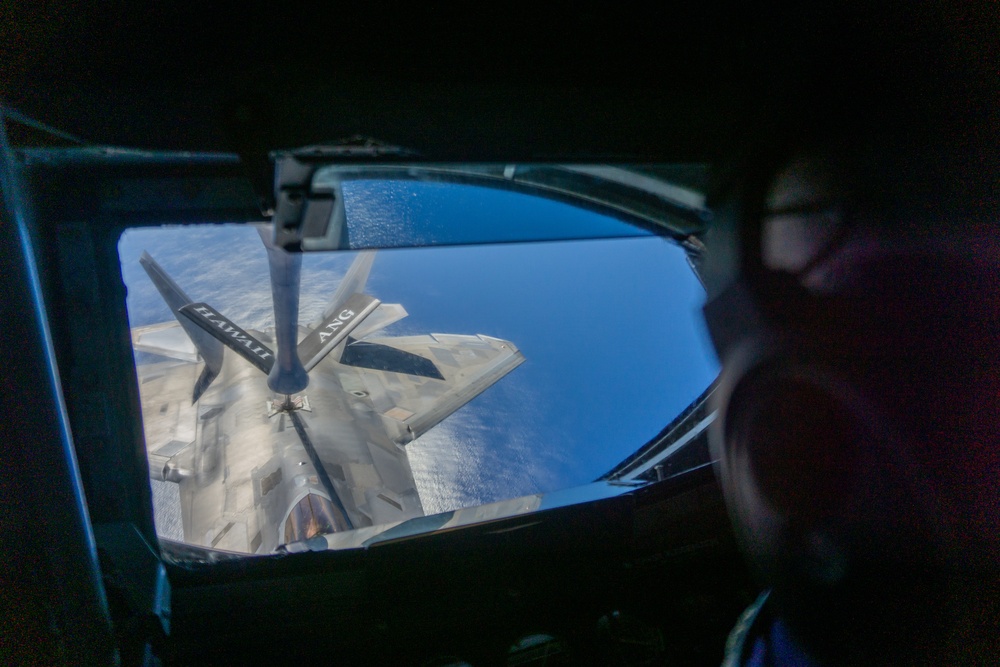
[610,329]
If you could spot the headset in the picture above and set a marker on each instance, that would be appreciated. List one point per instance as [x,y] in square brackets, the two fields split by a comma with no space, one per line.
[833,328]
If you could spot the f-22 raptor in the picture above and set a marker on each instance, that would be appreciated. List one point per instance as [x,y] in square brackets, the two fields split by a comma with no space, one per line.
[281,437]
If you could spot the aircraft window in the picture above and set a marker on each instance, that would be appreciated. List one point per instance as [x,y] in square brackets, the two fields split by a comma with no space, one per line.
[445,385]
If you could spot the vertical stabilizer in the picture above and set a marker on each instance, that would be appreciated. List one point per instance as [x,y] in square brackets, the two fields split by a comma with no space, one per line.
[353,283]
[334,329]
[210,349]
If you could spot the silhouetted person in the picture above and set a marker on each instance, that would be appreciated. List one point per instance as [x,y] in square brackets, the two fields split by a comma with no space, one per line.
[854,297]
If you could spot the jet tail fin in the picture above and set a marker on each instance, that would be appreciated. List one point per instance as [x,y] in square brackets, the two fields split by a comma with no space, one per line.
[354,282]
[221,328]
[334,328]
[209,348]
[203,382]
[348,307]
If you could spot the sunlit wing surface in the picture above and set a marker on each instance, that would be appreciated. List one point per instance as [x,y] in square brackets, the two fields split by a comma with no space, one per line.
[255,470]
[410,403]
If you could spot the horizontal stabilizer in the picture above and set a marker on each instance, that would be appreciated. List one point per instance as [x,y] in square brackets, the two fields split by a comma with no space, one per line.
[208,347]
[384,315]
[378,357]
[334,329]
[233,337]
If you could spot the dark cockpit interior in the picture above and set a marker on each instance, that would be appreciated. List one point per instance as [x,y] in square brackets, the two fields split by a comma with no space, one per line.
[125,118]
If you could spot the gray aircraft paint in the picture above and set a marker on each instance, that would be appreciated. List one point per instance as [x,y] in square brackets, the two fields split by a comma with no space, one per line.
[241,473]
[334,329]
[229,334]
[210,350]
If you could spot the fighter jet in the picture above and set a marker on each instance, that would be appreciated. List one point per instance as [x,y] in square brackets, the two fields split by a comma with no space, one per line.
[280,437]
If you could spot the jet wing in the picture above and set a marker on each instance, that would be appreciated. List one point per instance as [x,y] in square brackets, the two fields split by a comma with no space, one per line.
[409,404]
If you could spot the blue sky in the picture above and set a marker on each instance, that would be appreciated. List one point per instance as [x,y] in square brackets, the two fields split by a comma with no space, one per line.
[610,329]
